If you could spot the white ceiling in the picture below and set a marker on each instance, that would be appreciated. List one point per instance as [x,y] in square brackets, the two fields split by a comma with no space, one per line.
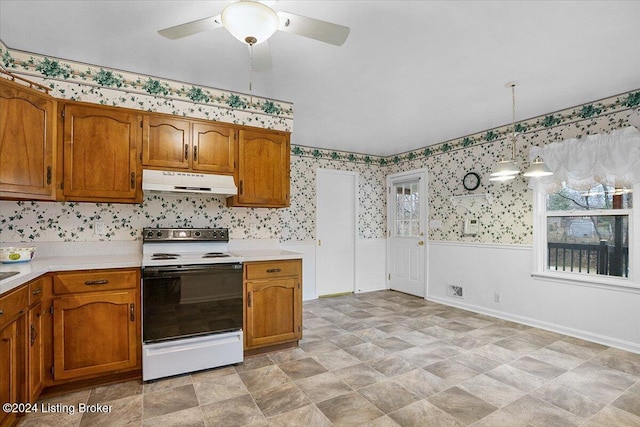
[411,73]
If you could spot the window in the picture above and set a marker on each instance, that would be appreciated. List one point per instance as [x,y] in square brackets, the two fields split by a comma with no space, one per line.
[407,209]
[585,225]
[587,232]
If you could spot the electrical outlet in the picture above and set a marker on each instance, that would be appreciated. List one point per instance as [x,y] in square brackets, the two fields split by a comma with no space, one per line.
[99,229]
[496,297]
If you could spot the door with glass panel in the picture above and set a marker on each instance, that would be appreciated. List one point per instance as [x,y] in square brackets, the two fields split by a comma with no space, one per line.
[407,215]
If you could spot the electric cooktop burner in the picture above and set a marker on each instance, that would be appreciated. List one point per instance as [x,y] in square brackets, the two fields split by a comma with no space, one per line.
[215,255]
[164,256]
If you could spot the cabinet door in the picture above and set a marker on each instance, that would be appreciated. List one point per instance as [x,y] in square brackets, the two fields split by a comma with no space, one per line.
[263,170]
[165,142]
[100,154]
[273,312]
[11,367]
[35,368]
[94,333]
[213,148]
[26,142]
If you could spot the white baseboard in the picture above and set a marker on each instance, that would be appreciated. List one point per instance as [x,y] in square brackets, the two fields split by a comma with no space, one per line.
[585,335]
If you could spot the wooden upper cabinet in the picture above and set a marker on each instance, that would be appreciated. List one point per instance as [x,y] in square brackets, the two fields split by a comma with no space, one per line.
[101,146]
[27,135]
[166,142]
[213,148]
[172,143]
[262,174]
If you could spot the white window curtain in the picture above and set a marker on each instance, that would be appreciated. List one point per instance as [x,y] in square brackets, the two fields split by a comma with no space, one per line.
[612,159]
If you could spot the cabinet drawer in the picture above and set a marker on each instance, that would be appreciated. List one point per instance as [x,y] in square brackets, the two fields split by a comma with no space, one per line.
[270,269]
[12,304]
[36,289]
[94,280]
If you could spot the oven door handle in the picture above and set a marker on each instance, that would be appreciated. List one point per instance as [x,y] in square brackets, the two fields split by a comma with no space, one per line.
[189,269]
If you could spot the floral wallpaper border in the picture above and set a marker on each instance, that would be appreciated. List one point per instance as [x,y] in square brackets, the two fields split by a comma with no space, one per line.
[592,110]
[84,82]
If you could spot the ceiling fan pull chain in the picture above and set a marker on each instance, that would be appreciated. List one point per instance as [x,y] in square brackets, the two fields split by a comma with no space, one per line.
[251,73]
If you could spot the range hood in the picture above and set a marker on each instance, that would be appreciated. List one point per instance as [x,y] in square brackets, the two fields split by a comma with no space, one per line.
[166,182]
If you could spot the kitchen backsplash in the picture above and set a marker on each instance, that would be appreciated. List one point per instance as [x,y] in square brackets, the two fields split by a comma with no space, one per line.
[506,220]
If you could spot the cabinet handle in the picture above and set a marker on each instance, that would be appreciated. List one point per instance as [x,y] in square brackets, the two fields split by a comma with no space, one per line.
[249,300]
[133,180]
[48,175]
[36,291]
[1,312]
[241,187]
[195,153]
[96,282]
[33,334]
[132,312]
[274,270]
[186,152]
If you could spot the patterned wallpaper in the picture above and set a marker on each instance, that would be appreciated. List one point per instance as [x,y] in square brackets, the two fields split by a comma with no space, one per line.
[506,220]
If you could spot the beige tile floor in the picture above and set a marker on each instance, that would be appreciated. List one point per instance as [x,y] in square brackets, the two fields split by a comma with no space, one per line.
[387,359]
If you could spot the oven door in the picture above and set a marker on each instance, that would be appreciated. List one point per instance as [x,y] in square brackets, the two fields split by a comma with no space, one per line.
[190,300]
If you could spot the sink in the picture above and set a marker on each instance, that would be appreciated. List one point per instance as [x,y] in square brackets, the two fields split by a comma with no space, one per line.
[7,274]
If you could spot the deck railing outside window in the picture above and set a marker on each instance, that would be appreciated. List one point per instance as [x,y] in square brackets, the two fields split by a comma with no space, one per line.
[588,258]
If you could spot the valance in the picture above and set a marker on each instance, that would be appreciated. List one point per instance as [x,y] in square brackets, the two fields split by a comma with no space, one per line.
[581,163]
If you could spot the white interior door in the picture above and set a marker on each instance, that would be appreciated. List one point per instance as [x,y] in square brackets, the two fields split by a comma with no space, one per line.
[336,193]
[407,214]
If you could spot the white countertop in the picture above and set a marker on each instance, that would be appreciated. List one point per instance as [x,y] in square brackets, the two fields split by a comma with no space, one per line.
[41,265]
[266,255]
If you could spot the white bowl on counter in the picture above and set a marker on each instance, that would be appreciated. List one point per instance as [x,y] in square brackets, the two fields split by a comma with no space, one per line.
[14,254]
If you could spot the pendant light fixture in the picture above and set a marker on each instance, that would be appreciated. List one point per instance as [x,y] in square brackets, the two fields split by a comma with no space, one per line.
[506,169]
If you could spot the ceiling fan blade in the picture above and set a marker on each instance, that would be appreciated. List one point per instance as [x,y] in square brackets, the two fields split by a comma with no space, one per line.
[190,28]
[260,57]
[323,31]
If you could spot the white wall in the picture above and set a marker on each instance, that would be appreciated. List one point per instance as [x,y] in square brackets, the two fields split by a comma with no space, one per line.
[308,250]
[610,316]
[371,268]
[370,265]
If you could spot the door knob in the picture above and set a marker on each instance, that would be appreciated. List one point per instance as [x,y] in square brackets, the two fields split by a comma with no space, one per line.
[421,243]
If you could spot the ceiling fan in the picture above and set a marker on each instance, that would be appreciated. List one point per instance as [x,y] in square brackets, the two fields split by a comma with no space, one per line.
[253,23]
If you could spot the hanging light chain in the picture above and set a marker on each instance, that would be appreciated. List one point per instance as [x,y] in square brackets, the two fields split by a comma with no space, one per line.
[513,121]
[251,73]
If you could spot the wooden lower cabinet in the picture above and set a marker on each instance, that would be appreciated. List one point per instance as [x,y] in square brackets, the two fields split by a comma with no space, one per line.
[35,351]
[96,329]
[12,351]
[273,303]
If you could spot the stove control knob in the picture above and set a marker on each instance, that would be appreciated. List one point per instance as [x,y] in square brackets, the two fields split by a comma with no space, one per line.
[159,234]
[197,234]
[149,233]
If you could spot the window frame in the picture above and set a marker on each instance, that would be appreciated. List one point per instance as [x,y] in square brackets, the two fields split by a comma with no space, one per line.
[540,250]
[419,203]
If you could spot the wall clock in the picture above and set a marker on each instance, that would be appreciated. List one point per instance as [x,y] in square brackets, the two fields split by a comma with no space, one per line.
[471,181]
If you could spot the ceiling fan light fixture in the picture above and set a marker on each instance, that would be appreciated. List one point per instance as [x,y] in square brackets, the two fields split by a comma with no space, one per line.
[249,21]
